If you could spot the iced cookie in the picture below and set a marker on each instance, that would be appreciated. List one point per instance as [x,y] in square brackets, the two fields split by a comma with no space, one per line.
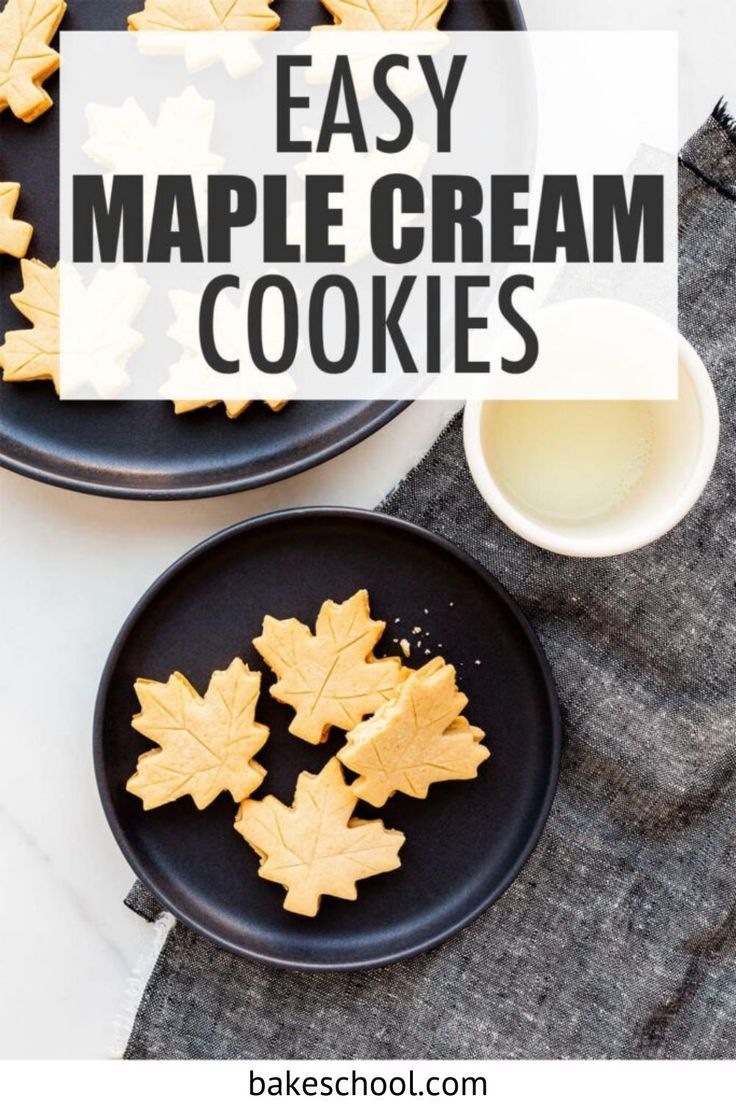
[314,847]
[205,15]
[417,738]
[26,59]
[330,677]
[206,745]
[386,15]
[15,236]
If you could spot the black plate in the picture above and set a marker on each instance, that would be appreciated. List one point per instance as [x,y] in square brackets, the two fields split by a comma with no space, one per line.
[465,844]
[142,450]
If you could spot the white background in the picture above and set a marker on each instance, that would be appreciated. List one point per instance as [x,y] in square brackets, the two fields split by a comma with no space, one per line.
[73,566]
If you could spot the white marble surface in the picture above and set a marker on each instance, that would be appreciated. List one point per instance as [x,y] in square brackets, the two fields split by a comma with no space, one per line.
[73,566]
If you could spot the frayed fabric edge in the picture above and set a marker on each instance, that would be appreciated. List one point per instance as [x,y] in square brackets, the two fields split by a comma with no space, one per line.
[135,986]
[723,116]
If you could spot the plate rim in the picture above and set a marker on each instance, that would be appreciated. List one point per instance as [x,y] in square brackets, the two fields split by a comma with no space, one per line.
[378,418]
[338,513]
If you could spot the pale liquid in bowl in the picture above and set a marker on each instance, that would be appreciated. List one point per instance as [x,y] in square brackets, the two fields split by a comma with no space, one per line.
[569,461]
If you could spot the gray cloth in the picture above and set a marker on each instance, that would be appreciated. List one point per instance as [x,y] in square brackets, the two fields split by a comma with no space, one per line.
[618,940]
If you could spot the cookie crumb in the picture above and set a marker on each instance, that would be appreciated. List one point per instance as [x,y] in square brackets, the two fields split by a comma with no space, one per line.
[477,663]
[405,647]
[416,630]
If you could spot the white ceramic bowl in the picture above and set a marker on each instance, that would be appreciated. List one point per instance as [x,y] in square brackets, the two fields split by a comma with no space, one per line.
[685,443]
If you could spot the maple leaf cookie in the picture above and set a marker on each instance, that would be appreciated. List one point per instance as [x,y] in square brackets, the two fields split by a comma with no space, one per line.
[315,847]
[159,27]
[233,407]
[205,15]
[417,738]
[15,236]
[33,354]
[26,59]
[99,339]
[330,677]
[206,745]
[386,15]
[192,375]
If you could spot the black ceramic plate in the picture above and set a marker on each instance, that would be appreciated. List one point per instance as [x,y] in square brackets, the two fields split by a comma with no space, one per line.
[464,845]
[142,450]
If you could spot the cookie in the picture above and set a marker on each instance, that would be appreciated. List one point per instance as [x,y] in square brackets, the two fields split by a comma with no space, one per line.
[33,354]
[386,15]
[233,407]
[15,236]
[330,677]
[204,15]
[206,745]
[191,376]
[314,847]
[26,59]
[416,739]
[98,316]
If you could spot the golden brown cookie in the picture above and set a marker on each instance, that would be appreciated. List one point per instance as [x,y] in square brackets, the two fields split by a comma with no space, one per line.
[206,745]
[330,677]
[386,15]
[417,738]
[33,354]
[233,407]
[15,236]
[26,59]
[313,847]
[205,15]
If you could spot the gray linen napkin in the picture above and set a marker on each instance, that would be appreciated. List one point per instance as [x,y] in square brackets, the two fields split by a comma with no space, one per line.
[618,940]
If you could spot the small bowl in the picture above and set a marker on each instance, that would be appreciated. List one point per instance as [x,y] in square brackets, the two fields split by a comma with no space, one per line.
[684,443]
